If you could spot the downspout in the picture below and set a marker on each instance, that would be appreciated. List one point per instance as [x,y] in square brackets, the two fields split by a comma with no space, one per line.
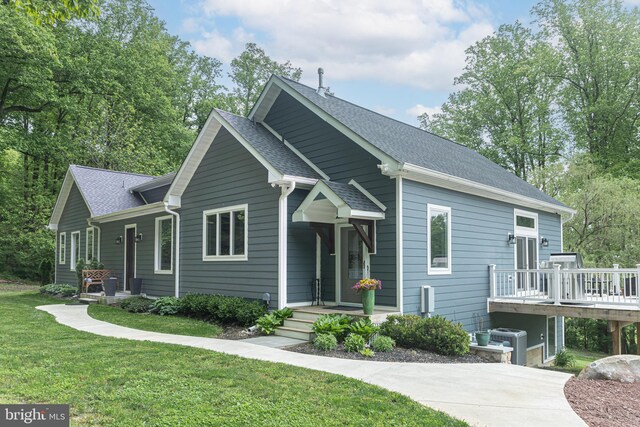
[99,240]
[286,189]
[177,252]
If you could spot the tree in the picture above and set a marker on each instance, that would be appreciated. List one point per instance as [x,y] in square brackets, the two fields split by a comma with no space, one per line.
[49,12]
[597,52]
[250,72]
[505,110]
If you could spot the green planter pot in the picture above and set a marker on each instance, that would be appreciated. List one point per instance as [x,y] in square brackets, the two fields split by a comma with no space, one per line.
[482,338]
[368,301]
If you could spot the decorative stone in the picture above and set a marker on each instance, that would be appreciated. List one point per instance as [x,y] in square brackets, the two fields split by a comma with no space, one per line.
[624,368]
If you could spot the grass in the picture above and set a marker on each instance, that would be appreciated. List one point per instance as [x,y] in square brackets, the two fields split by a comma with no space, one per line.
[582,359]
[115,382]
[153,322]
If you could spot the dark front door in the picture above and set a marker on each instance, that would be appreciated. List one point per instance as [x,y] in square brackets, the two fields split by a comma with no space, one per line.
[130,257]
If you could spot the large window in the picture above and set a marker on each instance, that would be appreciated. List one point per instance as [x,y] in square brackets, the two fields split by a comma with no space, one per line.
[90,248]
[164,245]
[225,234]
[75,249]
[62,248]
[438,239]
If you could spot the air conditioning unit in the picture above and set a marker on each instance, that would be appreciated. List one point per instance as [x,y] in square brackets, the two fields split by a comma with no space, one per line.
[517,339]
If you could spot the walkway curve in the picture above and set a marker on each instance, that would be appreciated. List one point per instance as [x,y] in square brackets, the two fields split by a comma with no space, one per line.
[482,394]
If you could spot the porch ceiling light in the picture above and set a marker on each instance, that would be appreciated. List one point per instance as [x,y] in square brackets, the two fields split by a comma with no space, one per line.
[118,240]
[511,239]
[544,242]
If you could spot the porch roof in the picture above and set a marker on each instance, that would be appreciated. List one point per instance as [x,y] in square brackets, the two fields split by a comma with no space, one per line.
[330,202]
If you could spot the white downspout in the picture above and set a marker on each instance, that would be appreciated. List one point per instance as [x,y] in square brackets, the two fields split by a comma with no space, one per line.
[177,251]
[286,189]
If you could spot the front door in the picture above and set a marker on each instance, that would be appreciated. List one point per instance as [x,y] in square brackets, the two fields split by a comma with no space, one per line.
[526,259]
[130,256]
[354,264]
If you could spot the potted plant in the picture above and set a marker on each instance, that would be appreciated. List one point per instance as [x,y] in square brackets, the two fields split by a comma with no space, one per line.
[482,336]
[367,287]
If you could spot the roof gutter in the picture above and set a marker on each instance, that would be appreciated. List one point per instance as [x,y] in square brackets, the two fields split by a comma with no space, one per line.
[131,212]
[177,251]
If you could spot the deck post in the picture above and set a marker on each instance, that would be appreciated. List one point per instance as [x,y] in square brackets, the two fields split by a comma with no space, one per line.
[616,337]
[638,338]
[616,280]
[492,281]
[557,284]
[637,283]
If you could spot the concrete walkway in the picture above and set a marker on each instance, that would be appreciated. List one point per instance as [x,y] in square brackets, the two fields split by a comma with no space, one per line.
[481,394]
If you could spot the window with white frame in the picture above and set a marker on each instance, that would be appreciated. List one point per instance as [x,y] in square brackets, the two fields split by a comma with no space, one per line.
[89,246]
[224,234]
[75,249]
[164,245]
[62,248]
[526,223]
[438,239]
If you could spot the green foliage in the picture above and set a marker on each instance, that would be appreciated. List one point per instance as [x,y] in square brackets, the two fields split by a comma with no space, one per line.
[333,324]
[564,359]
[364,327]
[137,305]
[59,290]
[587,334]
[325,342]
[50,12]
[367,352]
[165,306]
[196,305]
[81,264]
[435,334]
[354,343]
[268,323]
[383,343]
[222,309]
[283,313]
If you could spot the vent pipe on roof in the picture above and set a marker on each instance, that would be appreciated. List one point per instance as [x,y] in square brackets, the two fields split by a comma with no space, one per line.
[321,88]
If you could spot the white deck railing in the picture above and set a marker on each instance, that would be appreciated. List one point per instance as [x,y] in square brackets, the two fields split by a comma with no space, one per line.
[615,286]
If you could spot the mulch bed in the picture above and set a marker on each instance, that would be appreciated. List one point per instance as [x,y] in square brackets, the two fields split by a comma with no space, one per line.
[605,403]
[399,354]
[232,332]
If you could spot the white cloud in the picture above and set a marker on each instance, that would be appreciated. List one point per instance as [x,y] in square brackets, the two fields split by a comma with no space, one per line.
[414,42]
[419,109]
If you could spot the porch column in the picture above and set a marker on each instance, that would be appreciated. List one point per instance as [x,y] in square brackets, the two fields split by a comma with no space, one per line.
[285,190]
[638,338]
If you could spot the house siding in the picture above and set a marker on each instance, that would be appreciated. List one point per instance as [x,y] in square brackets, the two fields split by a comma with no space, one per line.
[112,254]
[229,175]
[74,218]
[479,229]
[342,160]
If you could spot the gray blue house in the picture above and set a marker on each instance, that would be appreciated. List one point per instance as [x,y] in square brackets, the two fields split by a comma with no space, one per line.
[313,190]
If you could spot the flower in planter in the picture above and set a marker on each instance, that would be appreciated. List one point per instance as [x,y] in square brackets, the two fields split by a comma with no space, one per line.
[367,284]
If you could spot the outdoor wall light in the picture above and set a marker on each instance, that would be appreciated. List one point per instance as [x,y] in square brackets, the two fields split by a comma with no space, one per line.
[118,240]
[544,242]
[511,239]
[139,238]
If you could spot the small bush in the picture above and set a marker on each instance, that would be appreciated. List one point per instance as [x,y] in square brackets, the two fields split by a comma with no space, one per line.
[268,323]
[564,359]
[195,305]
[283,313]
[222,309]
[435,334]
[383,344]
[367,352]
[165,306]
[60,290]
[248,312]
[365,328]
[354,343]
[136,305]
[333,324]
[325,342]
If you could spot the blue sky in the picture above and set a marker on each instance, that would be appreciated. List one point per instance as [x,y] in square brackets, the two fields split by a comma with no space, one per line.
[396,57]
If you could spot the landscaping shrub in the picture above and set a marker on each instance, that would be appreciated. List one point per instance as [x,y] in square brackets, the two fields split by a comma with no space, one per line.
[269,322]
[367,352]
[165,306]
[354,343]
[136,304]
[222,309]
[248,312]
[564,359]
[283,313]
[325,342]
[364,327]
[60,290]
[194,305]
[383,344]
[333,324]
[435,334]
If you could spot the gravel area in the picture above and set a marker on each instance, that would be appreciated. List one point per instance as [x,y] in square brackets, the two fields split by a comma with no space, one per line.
[398,355]
[605,403]
[237,333]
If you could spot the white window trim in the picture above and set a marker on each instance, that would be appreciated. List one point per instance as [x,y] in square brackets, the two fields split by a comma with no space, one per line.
[62,248]
[72,259]
[525,231]
[156,246]
[433,271]
[86,243]
[245,256]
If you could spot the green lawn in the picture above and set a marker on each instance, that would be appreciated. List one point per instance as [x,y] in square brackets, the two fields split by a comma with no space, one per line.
[582,359]
[117,382]
[153,322]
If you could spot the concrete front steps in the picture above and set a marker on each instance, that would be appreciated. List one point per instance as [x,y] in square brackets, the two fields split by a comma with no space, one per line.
[299,326]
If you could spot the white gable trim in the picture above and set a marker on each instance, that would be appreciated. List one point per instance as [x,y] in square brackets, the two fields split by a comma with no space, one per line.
[61,201]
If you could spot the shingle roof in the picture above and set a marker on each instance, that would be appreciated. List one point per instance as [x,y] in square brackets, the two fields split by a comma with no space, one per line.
[352,196]
[270,147]
[411,145]
[157,181]
[107,191]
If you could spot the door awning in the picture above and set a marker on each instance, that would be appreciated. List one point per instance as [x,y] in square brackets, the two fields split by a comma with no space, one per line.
[334,202]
